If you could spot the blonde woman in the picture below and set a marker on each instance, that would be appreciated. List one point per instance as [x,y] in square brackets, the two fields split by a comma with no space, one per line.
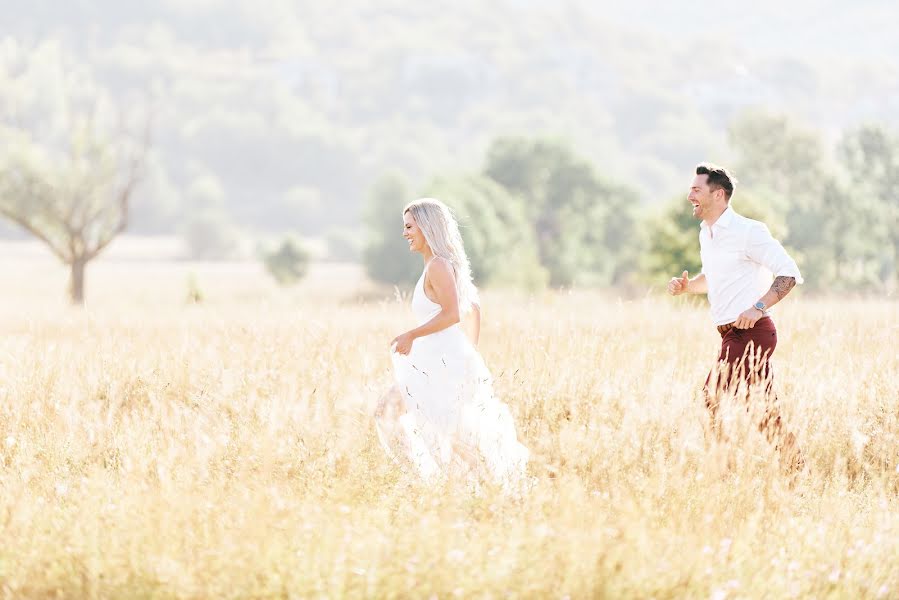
[448,418]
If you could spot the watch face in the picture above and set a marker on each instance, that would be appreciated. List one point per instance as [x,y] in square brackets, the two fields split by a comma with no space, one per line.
[760,306]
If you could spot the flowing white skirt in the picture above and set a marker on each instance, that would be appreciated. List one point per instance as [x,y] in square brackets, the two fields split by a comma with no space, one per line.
[452,421]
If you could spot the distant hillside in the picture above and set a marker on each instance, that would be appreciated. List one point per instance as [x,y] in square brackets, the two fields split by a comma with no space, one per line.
[285,112]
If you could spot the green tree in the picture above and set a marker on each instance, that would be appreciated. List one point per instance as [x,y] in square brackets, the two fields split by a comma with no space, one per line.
[71,157]
[870,154]
[833,228]
[672,242]
[288,263]
[785,162]
[386,254]
[583,224]
[75,203]
[499,239]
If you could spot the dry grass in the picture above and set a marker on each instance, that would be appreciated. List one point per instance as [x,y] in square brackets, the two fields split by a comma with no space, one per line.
[149,448]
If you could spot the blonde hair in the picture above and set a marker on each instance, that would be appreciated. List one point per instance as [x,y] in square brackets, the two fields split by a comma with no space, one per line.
[441,232]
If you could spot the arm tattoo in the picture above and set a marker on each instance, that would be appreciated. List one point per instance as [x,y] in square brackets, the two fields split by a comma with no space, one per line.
[782,286]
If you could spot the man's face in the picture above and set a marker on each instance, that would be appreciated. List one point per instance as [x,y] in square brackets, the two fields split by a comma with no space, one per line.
[702,198]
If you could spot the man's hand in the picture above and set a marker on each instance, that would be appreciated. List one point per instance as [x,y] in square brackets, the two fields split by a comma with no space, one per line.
[678,285]
[403,343]
[748,319]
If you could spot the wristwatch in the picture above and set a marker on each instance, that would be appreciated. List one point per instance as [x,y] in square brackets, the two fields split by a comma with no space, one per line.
[759,305]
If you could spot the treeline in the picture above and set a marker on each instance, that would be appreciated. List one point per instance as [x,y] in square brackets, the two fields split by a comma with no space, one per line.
[537,213]
[267,120]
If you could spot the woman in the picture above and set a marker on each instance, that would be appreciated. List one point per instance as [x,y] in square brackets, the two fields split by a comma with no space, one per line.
[450,420]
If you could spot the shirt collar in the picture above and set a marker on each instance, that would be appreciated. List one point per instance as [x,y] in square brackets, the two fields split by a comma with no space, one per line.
[724,220]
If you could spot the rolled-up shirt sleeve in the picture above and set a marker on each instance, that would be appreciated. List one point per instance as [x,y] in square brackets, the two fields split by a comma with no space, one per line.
[762,248]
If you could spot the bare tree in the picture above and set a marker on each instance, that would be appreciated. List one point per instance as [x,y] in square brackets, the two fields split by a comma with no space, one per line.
[76,202]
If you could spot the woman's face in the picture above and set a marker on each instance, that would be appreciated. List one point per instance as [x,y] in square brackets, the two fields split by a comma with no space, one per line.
[413,234]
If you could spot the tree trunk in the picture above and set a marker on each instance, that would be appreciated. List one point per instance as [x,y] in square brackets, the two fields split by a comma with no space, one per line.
[76,283]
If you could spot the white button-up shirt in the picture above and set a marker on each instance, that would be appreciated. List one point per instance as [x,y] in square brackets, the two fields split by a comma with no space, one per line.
[739,257]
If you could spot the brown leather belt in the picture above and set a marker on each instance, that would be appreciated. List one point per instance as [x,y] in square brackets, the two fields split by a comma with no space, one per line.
[722,329]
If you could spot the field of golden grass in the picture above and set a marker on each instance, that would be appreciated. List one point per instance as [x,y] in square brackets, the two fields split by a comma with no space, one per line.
[155,448]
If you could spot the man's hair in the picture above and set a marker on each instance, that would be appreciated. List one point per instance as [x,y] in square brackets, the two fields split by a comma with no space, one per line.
[718,178]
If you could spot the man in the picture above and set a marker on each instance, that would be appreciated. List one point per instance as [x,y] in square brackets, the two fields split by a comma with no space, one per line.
[738,257]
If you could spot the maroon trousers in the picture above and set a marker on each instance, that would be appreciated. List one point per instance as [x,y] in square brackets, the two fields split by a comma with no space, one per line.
[745,358]
[744,361]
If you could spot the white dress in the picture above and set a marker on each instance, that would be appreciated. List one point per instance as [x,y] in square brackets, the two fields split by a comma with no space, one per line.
[452,420]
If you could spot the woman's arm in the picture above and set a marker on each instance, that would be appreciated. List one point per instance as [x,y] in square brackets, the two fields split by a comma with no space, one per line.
[443,283]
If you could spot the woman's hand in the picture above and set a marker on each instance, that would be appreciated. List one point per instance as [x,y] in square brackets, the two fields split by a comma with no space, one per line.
[442,282]
[403,343]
